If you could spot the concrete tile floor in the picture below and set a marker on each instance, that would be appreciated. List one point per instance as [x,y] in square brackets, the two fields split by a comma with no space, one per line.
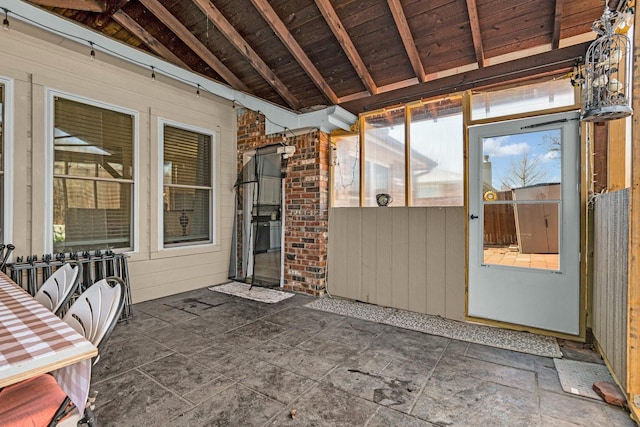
[207,359]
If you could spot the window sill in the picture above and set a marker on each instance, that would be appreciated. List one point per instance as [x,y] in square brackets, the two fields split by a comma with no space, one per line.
[185,250]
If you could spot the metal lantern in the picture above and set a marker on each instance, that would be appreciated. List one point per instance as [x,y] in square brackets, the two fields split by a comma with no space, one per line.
[607,95]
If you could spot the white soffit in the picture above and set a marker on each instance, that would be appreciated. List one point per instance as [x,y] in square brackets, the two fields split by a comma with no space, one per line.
[278,119]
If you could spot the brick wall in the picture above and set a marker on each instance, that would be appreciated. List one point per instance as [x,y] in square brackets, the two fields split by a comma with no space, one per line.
[306,200]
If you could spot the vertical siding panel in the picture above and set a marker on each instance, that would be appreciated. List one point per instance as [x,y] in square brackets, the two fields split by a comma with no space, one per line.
[384,237]
[400,257]
[353,236]
[611,231]
[436,255]
[418,261]
[454,263]
[369,261]
[338,256]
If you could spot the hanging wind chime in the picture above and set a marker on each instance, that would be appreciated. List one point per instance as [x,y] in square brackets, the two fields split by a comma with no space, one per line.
[607,95]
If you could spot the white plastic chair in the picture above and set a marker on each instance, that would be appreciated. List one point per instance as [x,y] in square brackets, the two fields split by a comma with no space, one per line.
[94,314]
[57,290]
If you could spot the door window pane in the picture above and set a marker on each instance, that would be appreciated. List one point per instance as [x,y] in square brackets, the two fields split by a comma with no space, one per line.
[521,196]
[187,190]
[93,177]
[436,158]
[384,151]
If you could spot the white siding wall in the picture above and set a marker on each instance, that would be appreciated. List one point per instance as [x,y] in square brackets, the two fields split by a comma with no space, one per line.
[36,65]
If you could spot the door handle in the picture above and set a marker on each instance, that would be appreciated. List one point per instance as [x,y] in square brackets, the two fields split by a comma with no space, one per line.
[472,216]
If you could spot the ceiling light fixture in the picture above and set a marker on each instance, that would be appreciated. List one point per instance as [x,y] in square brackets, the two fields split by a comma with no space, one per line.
[5,21]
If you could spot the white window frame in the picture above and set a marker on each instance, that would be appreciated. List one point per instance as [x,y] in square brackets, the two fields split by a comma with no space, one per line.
[212,201]
[50,95]
[7,159]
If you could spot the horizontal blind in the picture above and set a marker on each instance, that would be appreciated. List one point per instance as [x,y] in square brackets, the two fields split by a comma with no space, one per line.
[187,186]
[93,177]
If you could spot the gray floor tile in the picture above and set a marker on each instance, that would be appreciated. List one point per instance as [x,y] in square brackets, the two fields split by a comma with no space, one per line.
[261,330]
[140,322]
[205,326]
[179,373]
[581,411]
[409,345]
[356,332]
[119,356]
[465,401]
[209,389]
[277,383]
[133,399]
[306,319]
[386,417]
[502,356]
[329,349]
[326,406]
[399,394]
[303,363]
[235,406]
[237,365]
[164,311]
[178,339]
[451,367]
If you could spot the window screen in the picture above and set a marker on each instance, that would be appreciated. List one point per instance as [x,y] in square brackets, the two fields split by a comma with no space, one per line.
[187,190]
[93,177]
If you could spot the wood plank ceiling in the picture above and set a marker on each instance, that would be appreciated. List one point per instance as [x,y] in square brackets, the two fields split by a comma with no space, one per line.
[360,54]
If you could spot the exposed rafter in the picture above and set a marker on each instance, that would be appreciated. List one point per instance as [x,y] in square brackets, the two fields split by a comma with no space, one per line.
[557,21]
[292,45]
[247,51]
[343,38]
[194,44]
[407,38]
[474,22]
[112,7]
[86,5]
[134,28]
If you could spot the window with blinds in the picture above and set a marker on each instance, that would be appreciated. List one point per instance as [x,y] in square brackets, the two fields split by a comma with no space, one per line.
[187,190]
[92,177]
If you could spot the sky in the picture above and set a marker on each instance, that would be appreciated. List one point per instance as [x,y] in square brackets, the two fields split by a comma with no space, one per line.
[505,151]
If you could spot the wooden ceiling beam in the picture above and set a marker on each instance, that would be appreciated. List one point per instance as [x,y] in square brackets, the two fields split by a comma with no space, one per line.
[160,12]
[407,39]
[104,18]
[294,48]
[212,13]
[86,5]
[549,62]
[137,30]
[474,21]
[557,24]
[332,19]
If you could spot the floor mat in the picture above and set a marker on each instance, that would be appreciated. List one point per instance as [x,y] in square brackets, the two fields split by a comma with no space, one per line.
[578,377]
[523,342]
[255,293]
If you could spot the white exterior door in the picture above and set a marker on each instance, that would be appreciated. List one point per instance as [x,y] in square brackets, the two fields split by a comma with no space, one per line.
[524,222]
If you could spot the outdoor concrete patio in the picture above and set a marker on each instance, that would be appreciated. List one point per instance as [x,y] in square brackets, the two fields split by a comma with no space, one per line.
[203,358]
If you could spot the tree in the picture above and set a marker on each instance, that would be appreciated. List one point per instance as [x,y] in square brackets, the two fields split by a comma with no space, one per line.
[527,170]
